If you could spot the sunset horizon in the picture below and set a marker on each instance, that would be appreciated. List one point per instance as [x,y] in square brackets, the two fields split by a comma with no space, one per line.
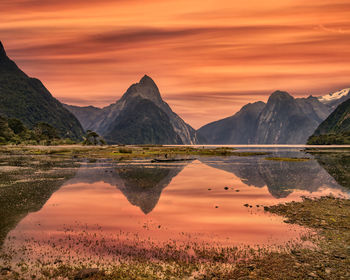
[174,139]
[217,54]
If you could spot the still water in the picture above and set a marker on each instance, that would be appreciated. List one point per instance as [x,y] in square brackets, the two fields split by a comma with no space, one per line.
[203,201]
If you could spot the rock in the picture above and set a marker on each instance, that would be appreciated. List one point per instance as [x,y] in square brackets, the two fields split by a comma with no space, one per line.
[246,205]
[86,273]
[5,271]
[251,267]
[226,188]
[312,274]
[339,256]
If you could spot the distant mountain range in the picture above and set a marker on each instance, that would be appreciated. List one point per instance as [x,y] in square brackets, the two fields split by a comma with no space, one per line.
[336,128]
[28,100]
[282,120]
[139,117]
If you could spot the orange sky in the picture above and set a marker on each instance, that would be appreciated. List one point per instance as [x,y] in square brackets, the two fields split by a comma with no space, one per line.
[208,57]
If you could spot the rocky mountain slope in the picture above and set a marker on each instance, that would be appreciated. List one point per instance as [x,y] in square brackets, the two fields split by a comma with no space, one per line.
[139,117]
[289,120]
[86,115]
[28,100]
[335,129]
[237,129]
[282,120]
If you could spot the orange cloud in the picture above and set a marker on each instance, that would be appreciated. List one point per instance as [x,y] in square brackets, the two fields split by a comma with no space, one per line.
[208,57]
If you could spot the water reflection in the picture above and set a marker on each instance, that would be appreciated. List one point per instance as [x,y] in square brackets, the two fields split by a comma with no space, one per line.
[280,177]
[20,199]
[337,165]
[201,198]
[141,184]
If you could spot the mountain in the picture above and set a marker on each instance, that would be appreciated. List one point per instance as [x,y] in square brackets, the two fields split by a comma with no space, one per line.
[332,100]
[335,129]
[237,129]
[28,100]
[139,117]
[282,120]
[286,120]
[86,115]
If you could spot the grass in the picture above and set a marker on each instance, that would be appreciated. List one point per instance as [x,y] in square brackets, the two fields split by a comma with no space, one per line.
[292,159]
[123,152]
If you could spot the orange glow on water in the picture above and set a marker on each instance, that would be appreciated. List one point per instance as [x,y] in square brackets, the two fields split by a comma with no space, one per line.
[185,212]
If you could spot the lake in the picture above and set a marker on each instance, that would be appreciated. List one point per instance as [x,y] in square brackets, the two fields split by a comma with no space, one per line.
[209,201]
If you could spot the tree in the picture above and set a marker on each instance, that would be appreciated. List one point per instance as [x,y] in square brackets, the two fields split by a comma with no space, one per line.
[92,138]
[45,131]
[16,125]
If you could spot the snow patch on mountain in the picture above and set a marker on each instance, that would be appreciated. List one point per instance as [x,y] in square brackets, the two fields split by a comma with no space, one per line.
[334,96]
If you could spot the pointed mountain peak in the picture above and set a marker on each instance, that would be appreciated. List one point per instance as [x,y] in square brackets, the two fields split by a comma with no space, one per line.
[280,95]
[2,50]
[146,88]
[147,80]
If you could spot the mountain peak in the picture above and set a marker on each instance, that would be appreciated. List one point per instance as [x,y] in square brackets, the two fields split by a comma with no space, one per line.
[146,88]
[2,50]
[280,95]
[146,80]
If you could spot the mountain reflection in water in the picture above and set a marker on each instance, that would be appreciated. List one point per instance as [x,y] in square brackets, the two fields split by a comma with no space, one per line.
[141,184]
[197,200]
[280,177]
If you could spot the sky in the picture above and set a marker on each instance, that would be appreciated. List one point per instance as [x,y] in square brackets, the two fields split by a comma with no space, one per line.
[208,58]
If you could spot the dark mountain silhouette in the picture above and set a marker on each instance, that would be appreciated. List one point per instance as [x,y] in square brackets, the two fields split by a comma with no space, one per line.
[282,120]
[28,100]
[335,129]
[286,120]
[139,117]
[237,129]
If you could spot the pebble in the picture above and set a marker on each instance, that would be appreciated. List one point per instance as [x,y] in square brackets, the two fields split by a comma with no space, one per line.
[312,274]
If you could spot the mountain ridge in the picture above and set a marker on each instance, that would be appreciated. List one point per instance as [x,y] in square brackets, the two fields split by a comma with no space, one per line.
[111,120]
[28,100]
[282,120]
[335,129]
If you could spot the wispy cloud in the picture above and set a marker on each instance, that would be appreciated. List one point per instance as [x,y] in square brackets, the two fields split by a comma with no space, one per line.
[218,54]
